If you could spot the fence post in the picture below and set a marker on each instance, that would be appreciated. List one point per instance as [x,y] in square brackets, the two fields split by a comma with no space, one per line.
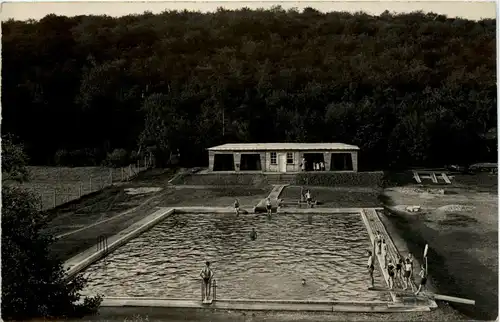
[111,177]
[91,184]
[80,190]
[145,162]
[55,196]
[129,170]
[121,171]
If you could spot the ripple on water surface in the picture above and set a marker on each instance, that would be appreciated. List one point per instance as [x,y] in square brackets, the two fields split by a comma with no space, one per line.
[166,261]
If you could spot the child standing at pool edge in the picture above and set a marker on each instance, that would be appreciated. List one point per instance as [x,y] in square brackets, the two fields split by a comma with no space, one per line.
[268,206]
[390,271]
[370,267]
[206,274]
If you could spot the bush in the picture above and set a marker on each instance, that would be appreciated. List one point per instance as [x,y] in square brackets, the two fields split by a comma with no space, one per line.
[118,158]
[77,158]
[344,179]
[33,282]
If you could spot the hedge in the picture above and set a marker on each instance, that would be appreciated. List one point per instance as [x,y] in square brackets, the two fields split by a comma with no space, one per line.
[344,179]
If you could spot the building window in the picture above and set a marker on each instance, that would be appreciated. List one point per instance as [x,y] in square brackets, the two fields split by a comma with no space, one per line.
[273,158]
[289,158]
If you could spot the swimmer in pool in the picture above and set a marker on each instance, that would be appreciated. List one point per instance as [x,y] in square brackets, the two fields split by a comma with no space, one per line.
[370,267]
[206,274]
[253,234]
[237,207]
[391,272]
[423,279]
[268,206]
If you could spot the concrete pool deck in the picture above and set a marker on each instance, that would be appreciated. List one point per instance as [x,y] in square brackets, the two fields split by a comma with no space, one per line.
[268,305]
[369,216]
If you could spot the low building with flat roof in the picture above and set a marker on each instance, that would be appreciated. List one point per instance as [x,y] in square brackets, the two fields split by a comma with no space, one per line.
[283,157]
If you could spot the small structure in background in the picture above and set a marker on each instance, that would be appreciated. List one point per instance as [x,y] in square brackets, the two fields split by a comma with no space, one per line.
[283,157]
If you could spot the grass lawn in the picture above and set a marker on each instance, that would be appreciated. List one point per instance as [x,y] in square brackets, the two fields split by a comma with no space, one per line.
[114,201]
[248,197]
[336,197]
[58,185]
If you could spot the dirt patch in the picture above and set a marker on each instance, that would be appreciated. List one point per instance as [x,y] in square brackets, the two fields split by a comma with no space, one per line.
[462,234]
[453,208]
[458,220]
[141,190]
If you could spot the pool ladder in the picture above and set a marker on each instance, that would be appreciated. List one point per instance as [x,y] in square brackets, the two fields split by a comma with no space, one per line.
[213,295]
[102,244]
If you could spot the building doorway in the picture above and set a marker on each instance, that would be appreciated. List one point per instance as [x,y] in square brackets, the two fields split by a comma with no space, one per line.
[282,162]
[312,158]
[341,162]
[250,162]
[224,162]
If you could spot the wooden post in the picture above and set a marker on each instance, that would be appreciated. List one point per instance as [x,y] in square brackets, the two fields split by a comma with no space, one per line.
[145,162]
[121,172]
[129,170]
[110,177]
[55,196]
[90,183]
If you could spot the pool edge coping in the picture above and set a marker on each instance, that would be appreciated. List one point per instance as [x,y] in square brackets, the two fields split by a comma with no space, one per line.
[267,305]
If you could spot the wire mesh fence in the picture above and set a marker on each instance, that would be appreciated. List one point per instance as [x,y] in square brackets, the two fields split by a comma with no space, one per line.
[57,186]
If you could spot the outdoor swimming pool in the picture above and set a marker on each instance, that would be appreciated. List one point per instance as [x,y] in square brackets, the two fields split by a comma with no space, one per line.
[330,253]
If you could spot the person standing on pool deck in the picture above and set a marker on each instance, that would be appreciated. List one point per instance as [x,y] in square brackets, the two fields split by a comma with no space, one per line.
[423,279]
[206,274]
[384,252]
[407,275]
[370,267]
[237,207]
[268,206]
[390,271]
[378,242]
[399,269]
[410,257]
[308,198]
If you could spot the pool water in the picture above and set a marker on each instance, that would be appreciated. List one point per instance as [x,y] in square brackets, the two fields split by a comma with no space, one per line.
[329,252]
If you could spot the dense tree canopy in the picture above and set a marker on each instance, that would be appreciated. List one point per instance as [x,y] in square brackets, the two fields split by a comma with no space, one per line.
[412,89]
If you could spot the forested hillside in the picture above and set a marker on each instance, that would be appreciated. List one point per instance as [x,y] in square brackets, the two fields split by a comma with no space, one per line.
[413,89]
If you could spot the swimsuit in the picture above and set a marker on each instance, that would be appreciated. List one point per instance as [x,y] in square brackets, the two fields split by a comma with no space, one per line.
[407,270]
[207,273]
[423,280]
[390,270]
[398,266]
[370,264]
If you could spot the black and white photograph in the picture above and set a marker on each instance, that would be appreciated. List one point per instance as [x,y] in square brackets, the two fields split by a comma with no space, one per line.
[233,161]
